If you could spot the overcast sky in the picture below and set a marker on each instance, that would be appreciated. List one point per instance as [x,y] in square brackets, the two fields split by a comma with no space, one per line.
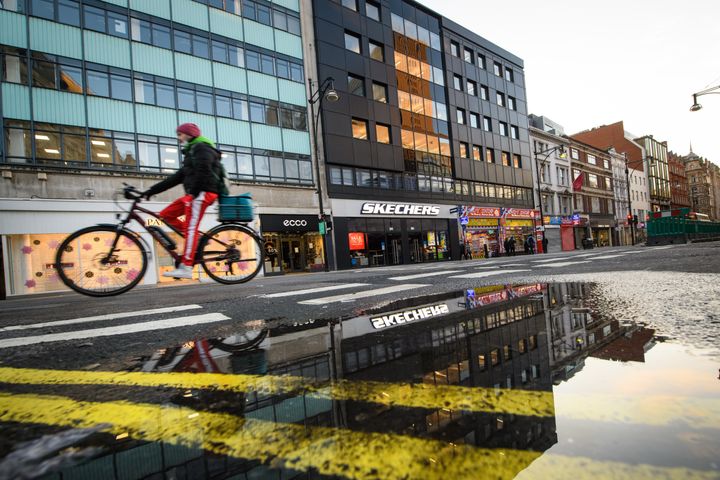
[594,63]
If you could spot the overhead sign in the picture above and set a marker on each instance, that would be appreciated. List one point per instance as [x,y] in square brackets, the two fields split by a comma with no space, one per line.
[402,209]
[407,316]
[289,223]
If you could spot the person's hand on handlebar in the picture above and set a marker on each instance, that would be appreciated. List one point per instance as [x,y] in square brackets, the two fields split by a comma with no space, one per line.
[146,195]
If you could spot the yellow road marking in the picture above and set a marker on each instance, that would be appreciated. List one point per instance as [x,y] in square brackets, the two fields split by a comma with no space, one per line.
[331,451]
[471,399]
[648,410]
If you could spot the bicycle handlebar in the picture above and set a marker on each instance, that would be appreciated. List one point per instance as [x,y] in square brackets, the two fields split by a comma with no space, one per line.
[131,193]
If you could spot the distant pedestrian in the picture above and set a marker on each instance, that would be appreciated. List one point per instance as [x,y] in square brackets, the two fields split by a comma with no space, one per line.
[531,245]
[485,249]
[506,246]
[512,246]
[545,244]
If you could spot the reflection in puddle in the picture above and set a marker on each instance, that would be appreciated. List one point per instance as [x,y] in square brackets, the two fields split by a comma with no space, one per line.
[488,382]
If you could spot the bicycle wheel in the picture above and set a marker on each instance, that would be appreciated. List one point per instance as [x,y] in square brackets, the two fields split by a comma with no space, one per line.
[231,254]
[87,262]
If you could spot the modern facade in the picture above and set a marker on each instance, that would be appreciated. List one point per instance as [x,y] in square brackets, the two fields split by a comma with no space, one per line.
[554,181]
[678,182]
[92,91]
[431,116]
[594,197]
[658,172]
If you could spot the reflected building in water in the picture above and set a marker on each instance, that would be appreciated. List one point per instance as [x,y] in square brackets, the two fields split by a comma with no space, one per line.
[496,338]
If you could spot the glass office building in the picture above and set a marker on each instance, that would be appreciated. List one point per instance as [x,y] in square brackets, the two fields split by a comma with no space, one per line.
[91,94]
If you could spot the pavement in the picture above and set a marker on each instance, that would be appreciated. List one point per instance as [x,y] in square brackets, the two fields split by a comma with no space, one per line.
[76,331]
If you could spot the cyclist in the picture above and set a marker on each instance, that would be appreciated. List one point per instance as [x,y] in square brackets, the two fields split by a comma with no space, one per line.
[203,178]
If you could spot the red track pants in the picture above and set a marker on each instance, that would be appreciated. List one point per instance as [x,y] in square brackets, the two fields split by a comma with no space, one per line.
[193,208]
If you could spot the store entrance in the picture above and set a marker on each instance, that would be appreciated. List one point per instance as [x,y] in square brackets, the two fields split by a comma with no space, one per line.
[394,249]
[292,255]
[416,247]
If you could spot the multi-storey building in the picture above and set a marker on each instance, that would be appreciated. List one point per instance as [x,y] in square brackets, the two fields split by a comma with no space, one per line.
[703,184]
[555,184]
[615,136]
[678,182]
[622,234]
[92,92]
[594,198]
[656,162]
[430,116]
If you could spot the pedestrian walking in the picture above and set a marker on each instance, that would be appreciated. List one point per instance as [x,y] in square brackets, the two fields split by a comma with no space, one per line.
[512,246]
[531,245]
[545,244]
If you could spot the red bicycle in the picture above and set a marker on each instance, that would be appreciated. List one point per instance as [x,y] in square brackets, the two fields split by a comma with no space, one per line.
[109,259]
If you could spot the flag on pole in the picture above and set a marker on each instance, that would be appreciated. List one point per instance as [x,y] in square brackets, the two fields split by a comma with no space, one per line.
[577,183]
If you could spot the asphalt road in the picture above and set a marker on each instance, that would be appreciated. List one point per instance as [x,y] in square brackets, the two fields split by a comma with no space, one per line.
[72,331]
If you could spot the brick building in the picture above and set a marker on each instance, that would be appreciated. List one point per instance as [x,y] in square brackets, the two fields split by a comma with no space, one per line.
[678,182]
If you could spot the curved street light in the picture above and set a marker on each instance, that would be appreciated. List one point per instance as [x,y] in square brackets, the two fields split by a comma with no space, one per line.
[708,91]
[546,154]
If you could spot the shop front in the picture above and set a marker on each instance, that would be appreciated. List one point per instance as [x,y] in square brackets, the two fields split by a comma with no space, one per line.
[32,230]
[560,231]
[375,234]
[602,231]
[485,229]
[292,244]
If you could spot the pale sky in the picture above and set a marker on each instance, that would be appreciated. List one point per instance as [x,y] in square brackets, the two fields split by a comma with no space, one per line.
[594,63]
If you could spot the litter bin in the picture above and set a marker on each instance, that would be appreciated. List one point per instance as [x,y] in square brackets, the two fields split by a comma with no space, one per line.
[587,243]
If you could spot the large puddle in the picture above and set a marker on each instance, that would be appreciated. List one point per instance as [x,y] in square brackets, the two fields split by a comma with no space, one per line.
[535,381]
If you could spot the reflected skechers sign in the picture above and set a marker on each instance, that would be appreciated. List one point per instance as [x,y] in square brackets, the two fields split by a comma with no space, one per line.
[408,316]
[400,209]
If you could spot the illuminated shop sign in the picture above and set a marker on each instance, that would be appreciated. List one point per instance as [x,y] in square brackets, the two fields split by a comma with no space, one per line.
[356,241]
[408,316]
[405,209]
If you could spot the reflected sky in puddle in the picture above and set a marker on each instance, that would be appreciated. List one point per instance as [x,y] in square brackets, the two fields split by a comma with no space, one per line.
[530,380]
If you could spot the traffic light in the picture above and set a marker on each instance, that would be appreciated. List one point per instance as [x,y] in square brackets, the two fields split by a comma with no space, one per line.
[629,218]
[635,219]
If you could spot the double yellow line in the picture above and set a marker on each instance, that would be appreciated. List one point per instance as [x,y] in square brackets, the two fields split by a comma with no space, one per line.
[341,452]
[330,451]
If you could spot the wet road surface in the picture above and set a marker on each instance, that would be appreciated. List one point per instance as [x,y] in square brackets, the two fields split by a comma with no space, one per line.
[543,372]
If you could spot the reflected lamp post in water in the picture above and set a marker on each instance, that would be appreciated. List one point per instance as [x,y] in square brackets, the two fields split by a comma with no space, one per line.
[546,154]
[325,90]
[708,91]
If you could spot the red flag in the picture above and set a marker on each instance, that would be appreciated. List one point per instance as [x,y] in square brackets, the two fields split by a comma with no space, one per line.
[577,183]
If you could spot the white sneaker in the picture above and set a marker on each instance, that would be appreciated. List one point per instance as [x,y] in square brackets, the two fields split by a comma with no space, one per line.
[183,271]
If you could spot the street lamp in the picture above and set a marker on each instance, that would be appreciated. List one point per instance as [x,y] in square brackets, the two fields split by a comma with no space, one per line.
[631,217]
[546,154]
[708,91]
[325,90]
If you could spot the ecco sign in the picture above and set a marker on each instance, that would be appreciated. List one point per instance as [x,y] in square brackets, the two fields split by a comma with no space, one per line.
[404,209]
[295,223]
[407,316]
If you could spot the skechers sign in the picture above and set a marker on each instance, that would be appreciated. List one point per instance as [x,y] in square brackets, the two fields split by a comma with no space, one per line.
[408,316]
[403,209]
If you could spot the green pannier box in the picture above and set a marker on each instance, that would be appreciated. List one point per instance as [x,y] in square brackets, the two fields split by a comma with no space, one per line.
[236,208]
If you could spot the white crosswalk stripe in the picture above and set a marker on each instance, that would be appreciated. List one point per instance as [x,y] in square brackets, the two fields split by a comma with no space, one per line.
[561,264]
[364,294]
[116,330]
[487,274]
[423,275]
[101,318]
[605,257]
[314,290]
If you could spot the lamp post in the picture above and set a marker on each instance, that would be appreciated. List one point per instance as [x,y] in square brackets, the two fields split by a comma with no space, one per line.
[546,154]
[708,91]
[631,217]
[325,90]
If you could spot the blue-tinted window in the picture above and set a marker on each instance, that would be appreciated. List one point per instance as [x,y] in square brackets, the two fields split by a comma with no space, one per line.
[219,52]
[263,15]
[240,109]
[43,8]
[71,79]
[182,42]
[268,65]
[204,103]
[200,46]
[253,60]
[69,12]
[257,112]
[94,18]
[98,84]
[223,106]
[117,24]
[165,95]
[186,99]
[120,88]
[161,36]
